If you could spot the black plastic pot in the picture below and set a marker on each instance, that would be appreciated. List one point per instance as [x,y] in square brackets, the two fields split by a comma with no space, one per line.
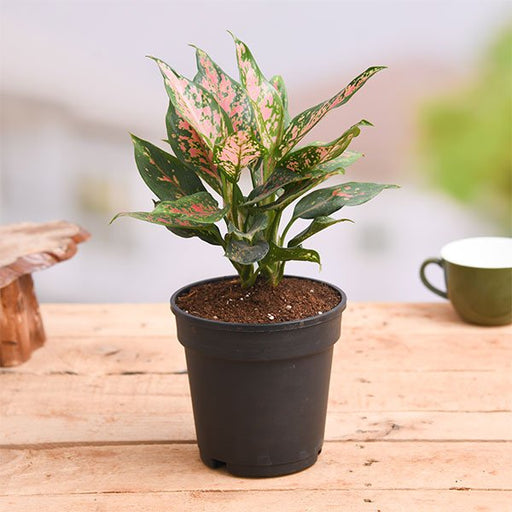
[259,391]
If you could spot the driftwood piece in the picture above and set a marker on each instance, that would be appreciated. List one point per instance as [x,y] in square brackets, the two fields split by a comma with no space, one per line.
[25,248]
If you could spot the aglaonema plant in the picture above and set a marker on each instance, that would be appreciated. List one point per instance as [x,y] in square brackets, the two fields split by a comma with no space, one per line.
[219,128]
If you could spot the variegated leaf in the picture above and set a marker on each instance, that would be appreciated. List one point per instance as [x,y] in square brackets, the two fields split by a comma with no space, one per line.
[305,121]
[277,253]
[237,151]
[241,251]
[318,153]
[278,83]
[190,148]
[282,177]
[195,104]
[279,179]
[318,224]
[296,189]
[164,174]
[255,226]
[192,211]
[268,107]
[229,94]
[329,200]
[257,175]
[344,160]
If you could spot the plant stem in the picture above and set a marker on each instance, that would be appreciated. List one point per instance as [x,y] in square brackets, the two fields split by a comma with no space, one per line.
[286,229]
[234,209]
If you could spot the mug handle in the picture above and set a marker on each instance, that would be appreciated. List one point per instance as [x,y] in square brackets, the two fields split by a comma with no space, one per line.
[424,279]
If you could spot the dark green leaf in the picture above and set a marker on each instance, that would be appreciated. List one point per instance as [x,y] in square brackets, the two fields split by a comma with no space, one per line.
[318,224]
[209,234]
[241,251]
[255,226]
[256,169]
[163,173]
[281,177]
[325,201]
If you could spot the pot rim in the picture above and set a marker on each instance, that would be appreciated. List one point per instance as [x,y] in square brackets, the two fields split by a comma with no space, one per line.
[258,327]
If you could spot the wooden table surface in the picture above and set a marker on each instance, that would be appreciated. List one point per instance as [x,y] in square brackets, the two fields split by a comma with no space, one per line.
[100,419]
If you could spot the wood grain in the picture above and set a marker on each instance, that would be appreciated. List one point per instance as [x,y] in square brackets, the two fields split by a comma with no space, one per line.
[21,325]
[367,500]
[419,419]
[151,408]
[176,467]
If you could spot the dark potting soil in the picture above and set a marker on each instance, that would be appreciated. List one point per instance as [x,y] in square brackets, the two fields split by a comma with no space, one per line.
[226,301]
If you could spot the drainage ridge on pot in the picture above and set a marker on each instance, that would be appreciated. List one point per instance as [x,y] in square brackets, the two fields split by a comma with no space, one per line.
[259,391]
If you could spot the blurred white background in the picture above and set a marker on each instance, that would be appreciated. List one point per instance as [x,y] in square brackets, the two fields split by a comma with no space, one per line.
[74,82]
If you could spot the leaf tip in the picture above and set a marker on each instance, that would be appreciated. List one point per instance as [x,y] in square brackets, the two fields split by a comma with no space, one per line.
[197,49]
[120,214]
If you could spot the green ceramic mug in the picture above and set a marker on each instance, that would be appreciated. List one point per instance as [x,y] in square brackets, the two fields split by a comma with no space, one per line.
[478,277]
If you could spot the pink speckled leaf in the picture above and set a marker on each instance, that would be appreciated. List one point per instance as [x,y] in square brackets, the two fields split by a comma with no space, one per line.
[344,160]
[283,178]
[278,84]
[268,107]
[194,211]
[195,104]
[309,157]
[229,94]
[190,148]
[325,201]
[239,150]
[305,121]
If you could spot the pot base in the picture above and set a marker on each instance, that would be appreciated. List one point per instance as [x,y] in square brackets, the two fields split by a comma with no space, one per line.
[261,471]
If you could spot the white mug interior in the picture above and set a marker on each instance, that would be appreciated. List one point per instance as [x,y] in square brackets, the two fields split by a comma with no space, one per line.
[480,252]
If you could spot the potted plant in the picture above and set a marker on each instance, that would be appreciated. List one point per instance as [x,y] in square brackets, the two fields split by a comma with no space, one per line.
[258,345]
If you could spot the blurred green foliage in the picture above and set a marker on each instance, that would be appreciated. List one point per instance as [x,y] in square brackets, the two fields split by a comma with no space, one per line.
[467,136]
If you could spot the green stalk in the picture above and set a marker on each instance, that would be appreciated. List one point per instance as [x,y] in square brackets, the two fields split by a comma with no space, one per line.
[285,230]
